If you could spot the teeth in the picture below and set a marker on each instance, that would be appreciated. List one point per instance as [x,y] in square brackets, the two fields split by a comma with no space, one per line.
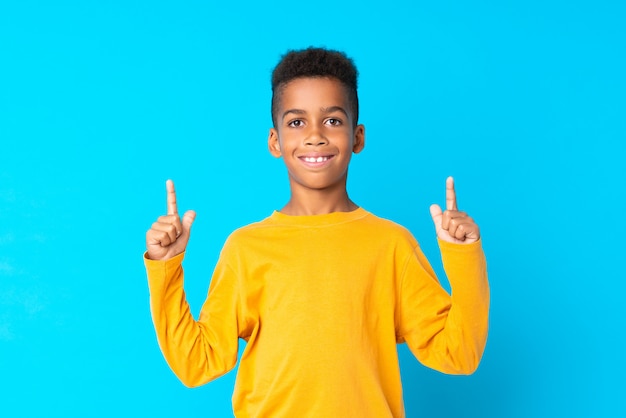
[315,160]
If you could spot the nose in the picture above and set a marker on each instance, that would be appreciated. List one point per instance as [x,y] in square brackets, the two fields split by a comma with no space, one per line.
[316,138]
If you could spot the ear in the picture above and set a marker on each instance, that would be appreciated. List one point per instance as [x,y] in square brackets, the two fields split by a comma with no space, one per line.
[359,139]
[273,144]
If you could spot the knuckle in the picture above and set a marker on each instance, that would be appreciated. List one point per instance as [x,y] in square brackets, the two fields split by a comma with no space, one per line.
[165,239]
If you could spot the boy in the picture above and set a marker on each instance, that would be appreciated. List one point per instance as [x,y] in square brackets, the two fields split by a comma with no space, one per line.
[322,290]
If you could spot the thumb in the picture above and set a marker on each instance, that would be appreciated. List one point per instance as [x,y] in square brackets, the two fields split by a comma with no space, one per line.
[437,214]
[187,220]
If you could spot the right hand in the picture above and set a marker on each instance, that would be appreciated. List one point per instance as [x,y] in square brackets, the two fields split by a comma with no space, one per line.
[169,235]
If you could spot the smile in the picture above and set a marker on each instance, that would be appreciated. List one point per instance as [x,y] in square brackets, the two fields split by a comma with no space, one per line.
[315,159]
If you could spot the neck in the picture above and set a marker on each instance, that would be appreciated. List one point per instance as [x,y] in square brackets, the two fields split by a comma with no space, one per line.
[318,202]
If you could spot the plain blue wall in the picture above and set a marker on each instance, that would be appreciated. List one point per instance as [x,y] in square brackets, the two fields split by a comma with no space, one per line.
[102,101]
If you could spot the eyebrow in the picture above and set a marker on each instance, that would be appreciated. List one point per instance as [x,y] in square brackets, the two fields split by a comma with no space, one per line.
[294,111]
[324,110]
[333,109]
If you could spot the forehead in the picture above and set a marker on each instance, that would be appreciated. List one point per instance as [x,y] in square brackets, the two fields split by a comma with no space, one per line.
[313,92]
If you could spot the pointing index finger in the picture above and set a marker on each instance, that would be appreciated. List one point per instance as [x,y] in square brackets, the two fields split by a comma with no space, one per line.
[450,194]
[172,209]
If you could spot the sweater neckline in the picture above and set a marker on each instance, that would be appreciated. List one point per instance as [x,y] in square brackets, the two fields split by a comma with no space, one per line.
[327,219]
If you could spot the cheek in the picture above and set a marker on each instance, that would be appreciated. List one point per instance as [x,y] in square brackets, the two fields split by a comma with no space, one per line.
[287,139]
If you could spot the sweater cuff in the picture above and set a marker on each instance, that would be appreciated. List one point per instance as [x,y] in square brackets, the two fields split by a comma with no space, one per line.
[461,249]
[465,266]
[163,265]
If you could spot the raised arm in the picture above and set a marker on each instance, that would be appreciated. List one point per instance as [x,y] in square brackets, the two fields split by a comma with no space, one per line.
[449,332]
[196,351]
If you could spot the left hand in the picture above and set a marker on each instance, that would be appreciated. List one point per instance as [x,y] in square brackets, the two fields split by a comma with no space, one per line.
[453,225]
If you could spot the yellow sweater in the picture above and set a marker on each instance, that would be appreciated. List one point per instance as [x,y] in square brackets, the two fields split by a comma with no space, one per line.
[322,301]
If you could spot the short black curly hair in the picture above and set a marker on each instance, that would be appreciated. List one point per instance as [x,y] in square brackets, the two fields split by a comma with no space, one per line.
[315,62]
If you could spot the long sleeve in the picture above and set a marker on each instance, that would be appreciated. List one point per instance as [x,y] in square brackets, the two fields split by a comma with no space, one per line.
[322,302]
[197,351]
[447,332]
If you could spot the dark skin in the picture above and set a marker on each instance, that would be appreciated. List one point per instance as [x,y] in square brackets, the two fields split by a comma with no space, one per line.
[316,135]
[314,123]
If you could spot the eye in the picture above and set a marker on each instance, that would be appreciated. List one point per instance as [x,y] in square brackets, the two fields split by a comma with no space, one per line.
[296,123]
[334,122]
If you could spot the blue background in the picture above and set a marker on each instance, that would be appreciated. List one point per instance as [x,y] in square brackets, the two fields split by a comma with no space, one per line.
[524,102]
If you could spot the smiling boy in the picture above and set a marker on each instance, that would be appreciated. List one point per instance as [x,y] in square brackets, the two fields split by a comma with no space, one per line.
[316,134]
[322,290]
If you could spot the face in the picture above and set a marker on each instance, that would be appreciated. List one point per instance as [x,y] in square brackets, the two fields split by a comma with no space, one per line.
[315,133]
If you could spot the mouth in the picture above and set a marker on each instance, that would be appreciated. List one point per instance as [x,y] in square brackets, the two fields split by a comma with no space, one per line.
[315,160]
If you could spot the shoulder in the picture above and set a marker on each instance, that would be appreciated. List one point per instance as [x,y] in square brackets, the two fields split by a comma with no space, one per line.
[389,229]
[247,235]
